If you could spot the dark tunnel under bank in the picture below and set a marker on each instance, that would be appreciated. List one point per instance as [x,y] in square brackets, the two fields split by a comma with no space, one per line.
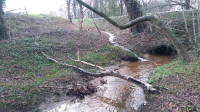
[162,50]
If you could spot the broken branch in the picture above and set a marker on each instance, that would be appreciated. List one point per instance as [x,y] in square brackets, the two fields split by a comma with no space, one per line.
[86,63]
[141,84]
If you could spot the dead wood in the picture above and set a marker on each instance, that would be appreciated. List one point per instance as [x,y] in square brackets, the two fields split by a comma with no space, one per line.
[53,87]
[86,62]
[143,85]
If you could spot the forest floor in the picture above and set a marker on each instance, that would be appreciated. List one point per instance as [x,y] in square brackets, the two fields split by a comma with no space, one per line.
[27,78]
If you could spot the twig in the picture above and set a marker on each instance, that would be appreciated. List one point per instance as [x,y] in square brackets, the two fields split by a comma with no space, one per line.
[186,28]
[86,63]
[53,87]
[195,106]
[181,31]
[10,95]
[78,55]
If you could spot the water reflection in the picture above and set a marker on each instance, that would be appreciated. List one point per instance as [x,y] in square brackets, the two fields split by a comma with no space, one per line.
[117,95]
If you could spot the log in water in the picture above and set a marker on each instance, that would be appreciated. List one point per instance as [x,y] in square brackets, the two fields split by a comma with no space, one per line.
[117,95]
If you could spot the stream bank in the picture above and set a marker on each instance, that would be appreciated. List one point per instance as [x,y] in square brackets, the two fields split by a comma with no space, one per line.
[116,94]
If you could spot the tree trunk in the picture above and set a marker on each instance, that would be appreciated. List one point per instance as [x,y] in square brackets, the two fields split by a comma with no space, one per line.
[134,12]
[186,28]
[81,15]
[194,31]
[96,7]
[105,6]
[74,9]
[187,4]
[68,10]
[198,17]
[121,7]
[153,18]
[2,23]
[101,5]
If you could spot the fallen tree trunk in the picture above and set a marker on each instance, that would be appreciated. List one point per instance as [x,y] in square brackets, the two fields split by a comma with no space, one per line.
[143,85]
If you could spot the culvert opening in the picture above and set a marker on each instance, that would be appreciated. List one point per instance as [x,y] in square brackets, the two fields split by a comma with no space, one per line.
[162,50]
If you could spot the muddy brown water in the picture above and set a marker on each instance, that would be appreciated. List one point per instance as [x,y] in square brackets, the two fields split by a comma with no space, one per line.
[117,95]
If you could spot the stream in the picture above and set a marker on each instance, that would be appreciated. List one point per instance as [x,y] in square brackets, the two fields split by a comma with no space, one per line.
[117,95]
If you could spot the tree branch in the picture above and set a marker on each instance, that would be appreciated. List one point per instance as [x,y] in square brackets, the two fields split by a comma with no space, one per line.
[153,18]
[141,84]
[87,63]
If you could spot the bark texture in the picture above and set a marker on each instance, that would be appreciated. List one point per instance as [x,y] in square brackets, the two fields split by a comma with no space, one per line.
[187,4]
[133,10]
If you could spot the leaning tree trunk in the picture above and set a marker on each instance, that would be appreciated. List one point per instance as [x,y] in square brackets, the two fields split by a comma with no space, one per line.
[134,12]
[2,23]
[153,18]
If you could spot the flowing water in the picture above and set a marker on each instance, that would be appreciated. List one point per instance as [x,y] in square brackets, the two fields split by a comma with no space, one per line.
[117,95]
[111,39]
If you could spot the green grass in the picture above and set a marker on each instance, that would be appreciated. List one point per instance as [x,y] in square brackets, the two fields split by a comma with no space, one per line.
[109,54]
[175,67]
[23,61]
